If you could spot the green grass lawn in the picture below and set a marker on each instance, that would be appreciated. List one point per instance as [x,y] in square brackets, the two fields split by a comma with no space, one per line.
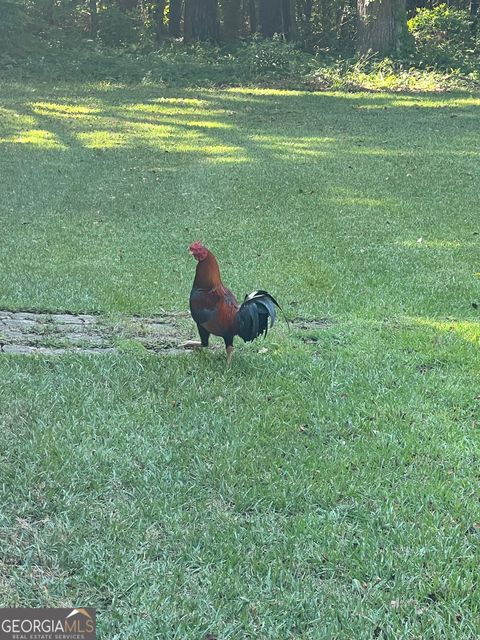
[326,488]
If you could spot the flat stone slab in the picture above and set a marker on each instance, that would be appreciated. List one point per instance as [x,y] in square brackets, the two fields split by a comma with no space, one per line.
[36,317]
[18,323]
[17,348]
[64,318]
[52,351]
[29,332]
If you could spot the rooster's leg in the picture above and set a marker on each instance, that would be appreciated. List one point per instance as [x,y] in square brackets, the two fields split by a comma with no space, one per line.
[195,344]
[229,346]
[204,335]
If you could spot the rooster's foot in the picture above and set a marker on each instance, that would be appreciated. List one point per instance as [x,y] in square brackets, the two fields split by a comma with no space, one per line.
[192,344]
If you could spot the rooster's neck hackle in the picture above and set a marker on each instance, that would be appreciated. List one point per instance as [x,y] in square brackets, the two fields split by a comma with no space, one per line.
[207,275]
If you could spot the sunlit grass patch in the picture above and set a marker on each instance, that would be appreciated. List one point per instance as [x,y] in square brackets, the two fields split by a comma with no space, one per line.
[258,91]
[58,110]
[180,102]
[358,201]
[159,109]
[102,139]
[36,137]
[466,330]
[13,117]
[424,102]
[204,124]
[209,152]
[146,131]
[305,142]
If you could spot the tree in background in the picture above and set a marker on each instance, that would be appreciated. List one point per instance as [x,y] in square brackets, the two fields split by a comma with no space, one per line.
[289,19]
[92,5]
[252,16]
[337,27]
[474,10]
[277,17]
[201,20]
[175,10]
[232,19]
[380,25]
[159,20]
[270,14]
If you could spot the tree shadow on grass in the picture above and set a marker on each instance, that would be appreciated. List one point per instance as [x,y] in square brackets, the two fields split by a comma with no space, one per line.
[342,175]
[129,118]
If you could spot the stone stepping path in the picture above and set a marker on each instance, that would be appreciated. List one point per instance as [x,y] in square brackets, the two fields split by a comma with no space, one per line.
[61,333]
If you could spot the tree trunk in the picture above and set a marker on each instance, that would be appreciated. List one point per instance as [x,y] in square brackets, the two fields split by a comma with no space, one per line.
[304,16]
[474,14]
[308,9]
[232,14]
[289,22]
[270,17]
[201,20]
[92,5]
[347,29]
[252,11]
[159,16]
[175,17]
[380,24]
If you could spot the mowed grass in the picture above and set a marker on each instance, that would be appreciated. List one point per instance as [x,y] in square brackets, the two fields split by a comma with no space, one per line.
[325,488]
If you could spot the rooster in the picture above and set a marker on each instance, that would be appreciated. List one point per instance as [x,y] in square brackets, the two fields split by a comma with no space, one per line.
[216,311]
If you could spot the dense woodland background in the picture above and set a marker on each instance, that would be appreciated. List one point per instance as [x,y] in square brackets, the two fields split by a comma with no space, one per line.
[416,33]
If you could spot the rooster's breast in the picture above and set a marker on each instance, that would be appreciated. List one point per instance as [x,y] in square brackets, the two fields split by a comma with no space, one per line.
[214,310]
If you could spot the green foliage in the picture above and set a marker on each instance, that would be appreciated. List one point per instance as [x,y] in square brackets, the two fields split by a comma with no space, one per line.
[265,63]
[267,58]
[174,63]
[329,28]
[443,37]
[387,75]
[56,23]
[14,37]
[117,27]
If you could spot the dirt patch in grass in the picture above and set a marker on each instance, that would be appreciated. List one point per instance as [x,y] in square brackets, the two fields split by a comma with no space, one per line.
[309,325]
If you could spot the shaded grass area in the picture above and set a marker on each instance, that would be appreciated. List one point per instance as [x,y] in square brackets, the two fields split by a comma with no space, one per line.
[325,488]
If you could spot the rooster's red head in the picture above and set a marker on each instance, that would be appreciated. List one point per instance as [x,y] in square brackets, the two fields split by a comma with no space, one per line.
[198,251]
